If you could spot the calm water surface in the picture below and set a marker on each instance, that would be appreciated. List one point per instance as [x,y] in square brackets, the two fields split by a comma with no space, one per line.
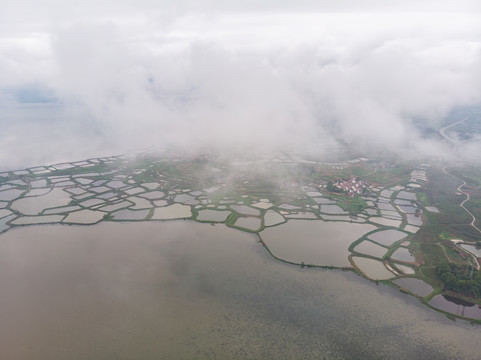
[314,242]
[184,290]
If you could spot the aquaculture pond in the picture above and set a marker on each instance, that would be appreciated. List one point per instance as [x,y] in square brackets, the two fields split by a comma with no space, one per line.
[456,306]
[212,215]
[313,242]
[369,248]
[272,217]
[385,222]
[472,249]
[373,269]
[35,204]
[408,270]
[186,290]
[332,209]
[174,211]
[403,254]
[387,237]
[416,286]
[127,214]
[249,223]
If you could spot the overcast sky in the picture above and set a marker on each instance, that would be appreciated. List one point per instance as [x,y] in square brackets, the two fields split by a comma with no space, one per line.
[262,75]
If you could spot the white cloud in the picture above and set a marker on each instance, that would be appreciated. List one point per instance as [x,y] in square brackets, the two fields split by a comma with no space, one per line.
[226,78]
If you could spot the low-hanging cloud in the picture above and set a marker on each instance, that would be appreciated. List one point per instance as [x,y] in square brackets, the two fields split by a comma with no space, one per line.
[244,81]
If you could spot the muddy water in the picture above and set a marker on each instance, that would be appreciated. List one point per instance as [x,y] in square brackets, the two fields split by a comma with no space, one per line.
[186,290]
[314,242]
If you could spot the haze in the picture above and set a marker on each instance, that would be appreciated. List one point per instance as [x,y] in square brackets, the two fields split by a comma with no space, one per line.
[90,79]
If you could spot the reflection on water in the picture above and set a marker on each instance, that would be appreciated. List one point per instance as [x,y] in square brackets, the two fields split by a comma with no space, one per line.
[272,218]
[403,254]
[175,211]
[416,286]
[472,249]
[387,237]
[373,269]
[369,248]
[456,306]
[184,290]
[250,223]
[314,242]
[34,205]
[212,215]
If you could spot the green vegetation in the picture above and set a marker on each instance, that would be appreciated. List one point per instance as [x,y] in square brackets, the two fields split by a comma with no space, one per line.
[459,279]
[218,184]
[353,205]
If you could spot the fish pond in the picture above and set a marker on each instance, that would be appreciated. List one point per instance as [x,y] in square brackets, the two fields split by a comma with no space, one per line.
[313,242]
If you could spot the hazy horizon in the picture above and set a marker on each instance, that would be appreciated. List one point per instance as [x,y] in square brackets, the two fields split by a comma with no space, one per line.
[102,79]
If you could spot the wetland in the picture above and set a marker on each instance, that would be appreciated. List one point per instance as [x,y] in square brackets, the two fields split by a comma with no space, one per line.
[184,290]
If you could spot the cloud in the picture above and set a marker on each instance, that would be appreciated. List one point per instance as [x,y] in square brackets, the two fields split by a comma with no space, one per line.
[229,79]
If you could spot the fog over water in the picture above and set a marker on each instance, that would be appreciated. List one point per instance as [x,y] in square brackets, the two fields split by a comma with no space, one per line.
[205,75]
[187,290]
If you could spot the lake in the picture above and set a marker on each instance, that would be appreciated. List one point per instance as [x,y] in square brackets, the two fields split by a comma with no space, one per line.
[184,290]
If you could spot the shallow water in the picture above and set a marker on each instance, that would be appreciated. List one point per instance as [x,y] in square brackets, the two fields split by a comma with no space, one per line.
[373,269]
[408,270]
[245,210]
[323,201]
[212,215]
[8,195]
[140,203]
[472,249]
[37,192]
[34,205]
[175,211]
[155,195]
[128,214]
[186,199]
[117,206]
[408,209]
[186,290]
[416,286]
[115,184]
[406,195]
[386,206]
[387,237]
[385,222]
[250,223]
[342,218]
[301,215]
[42,219]
[402,254]
[60,210]
[411,229]
[84,217]
[414,220]
[456,306]
[272,217]
[332,209]
[386,193]
[262,205]
[369,248]
[314,241]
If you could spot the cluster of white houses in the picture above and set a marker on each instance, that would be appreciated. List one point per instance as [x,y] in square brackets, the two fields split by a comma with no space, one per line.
[351,187]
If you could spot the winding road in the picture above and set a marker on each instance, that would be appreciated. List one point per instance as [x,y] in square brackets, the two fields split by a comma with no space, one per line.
[460,189]
[442,131]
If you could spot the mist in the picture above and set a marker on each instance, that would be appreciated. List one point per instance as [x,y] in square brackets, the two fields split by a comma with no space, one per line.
[210,76]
